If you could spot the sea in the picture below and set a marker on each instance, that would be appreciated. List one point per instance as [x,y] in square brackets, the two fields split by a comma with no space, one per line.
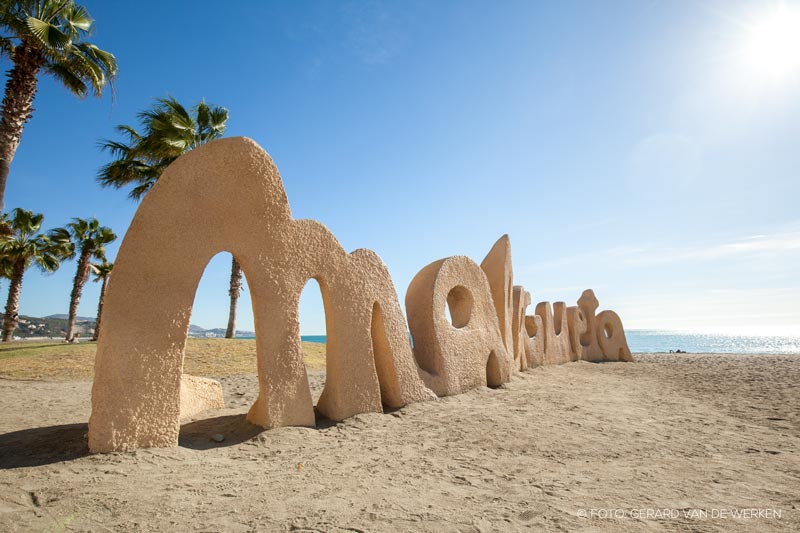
[321,339]
[655,341]
[651,340]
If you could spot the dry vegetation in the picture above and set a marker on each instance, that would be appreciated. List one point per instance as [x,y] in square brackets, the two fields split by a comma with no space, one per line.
[204,357]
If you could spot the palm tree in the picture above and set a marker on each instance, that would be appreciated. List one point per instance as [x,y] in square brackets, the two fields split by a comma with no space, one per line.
[5,232]
[24,247]
[234,291]
[86,239]
[45,36]
[168,131]
[5,226]
[101,273]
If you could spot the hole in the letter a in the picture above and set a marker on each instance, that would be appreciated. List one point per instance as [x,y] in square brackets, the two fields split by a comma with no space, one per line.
[384,364]
[459,306]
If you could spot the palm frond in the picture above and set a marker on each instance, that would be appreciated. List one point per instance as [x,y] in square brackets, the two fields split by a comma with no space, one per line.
[13,16]
[6,230]
[6,47]
[77,18]
[116,148]
[138,192]
[203,112]
[99,66]
[25,222]
[123,172]
[48,35]
[60,241]
[218,120]
[132,134]
[106,235]
[78,224]
[101,270]
[50,9]
[67,78]
[47,261]
[95,68]
[6,267]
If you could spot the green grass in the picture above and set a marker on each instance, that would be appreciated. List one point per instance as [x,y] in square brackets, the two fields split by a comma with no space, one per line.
[9,350]
[204,357]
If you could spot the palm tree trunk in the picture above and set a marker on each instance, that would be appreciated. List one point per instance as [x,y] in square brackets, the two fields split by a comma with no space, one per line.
[77,289]
[100,309]
[235,289]
[11,317]
[17,106]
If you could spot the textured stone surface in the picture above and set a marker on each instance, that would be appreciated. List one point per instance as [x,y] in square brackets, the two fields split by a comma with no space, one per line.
[556,332]
[228,196]
[199,394]
[497,266]
[468,352]
[534,341]
[576,321]
[611,337]
[521,301]
[590,347]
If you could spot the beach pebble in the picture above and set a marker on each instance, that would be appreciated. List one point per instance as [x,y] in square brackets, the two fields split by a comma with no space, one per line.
[219,437]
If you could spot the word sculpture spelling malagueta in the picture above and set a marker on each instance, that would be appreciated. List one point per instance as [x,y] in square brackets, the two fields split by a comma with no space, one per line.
[228,196]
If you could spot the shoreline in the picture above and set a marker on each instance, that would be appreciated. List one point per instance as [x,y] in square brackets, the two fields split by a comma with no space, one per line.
[308,339]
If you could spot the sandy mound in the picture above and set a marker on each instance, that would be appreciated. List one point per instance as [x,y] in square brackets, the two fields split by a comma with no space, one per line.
[680,433]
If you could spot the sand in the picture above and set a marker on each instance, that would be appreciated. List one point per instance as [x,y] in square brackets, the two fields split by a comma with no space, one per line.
[648,446]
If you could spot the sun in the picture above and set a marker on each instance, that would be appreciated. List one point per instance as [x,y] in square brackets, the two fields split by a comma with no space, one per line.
[772,44]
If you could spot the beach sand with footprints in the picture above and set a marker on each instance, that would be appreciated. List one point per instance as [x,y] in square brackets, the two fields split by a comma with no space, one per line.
[674,436]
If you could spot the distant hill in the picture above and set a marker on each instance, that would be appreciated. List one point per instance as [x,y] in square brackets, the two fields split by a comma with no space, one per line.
[56,326]
[197,331]
[52,326]
[62,316]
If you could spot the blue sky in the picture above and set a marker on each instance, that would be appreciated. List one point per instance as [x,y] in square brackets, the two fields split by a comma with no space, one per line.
[640,148]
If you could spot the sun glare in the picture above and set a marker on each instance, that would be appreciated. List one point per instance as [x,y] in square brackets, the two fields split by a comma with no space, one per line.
[772,46]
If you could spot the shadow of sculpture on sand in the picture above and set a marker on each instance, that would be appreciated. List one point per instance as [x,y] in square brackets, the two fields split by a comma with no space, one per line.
[199,434]
[43,445]
[235,428]
[55,444]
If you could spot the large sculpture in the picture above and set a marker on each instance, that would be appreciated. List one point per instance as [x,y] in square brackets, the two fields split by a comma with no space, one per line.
[556,332]
[228,196]
[611,337]
[497,266]
[534,341]
[590,347]
[198,395]
[577,325]
[468,352]
[521,301]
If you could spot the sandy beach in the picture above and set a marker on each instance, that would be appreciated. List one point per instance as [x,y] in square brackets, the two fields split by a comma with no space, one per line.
[674,442]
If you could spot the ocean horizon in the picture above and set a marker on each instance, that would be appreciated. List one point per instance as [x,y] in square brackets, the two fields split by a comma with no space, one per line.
[662,341]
